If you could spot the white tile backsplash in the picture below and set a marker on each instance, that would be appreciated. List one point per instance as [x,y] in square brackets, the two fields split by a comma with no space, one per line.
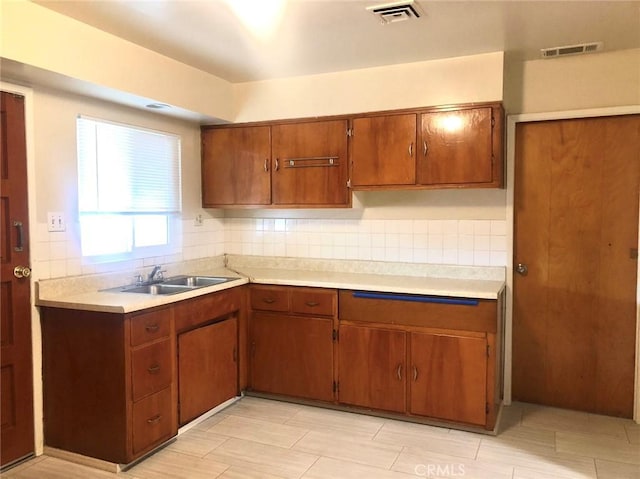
[449,242]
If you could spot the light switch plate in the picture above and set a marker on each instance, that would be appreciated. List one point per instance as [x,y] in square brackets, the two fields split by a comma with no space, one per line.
[56,222]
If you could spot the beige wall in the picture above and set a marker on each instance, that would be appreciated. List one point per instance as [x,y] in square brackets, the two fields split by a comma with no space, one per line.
[55,116]
[40,38]
[578,82]
[438,82]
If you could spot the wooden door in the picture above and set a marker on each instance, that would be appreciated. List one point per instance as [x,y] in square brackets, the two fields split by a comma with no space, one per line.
[372,367]
[236,166]
[383,150]
[291,355]
[448,377]
[207,367]
[15,305]
[456,147]
[576,231]
[310,164]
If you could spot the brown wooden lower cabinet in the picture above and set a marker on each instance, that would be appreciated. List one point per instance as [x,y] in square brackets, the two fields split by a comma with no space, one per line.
[396,355]
[447,377]
[207,367]
[109,382]
[291,355]
[372,368]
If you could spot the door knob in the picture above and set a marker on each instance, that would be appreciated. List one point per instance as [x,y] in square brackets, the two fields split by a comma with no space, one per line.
[22,271]
[522,269]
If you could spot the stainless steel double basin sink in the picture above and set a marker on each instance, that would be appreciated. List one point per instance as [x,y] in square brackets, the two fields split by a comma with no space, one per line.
[173,285]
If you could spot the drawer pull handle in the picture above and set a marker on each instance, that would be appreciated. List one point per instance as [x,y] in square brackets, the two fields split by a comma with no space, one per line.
[153,369]
[415,373]
[152,328]
[312,304]
[155,419]
[268,300]
[399,372]
[416,299]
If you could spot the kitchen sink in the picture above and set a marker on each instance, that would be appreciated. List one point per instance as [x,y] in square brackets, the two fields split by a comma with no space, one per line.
[196,281]
[174,285]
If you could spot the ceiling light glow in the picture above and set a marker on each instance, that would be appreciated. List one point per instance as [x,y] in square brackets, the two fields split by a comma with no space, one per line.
[260,17]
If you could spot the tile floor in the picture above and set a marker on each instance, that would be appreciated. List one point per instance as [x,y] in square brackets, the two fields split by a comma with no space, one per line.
[257,438]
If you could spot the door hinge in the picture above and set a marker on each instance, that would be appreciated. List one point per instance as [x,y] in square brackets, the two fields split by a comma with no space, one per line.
[349,183]
[493,121]
[349,131]
[335,335]
[488,350]
[336,386]
[487,408]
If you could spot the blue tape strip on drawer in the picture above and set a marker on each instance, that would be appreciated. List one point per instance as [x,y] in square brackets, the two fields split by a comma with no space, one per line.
[416,299]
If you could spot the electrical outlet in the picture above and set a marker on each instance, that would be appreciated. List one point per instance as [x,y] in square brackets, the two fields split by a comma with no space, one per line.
[56,222]
[198,221]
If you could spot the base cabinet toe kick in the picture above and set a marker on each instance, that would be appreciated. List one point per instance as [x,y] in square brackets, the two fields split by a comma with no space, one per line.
[424,358]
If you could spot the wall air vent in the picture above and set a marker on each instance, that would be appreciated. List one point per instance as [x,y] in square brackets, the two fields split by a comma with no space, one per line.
[396,11]
[580,49]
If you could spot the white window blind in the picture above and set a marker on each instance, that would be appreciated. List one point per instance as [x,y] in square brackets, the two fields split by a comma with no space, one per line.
[128,188]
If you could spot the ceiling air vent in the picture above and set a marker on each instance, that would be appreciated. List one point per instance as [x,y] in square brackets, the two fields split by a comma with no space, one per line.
[571,50]
[396,11]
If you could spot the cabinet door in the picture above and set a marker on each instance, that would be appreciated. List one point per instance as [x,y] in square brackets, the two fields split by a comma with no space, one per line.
[207,367]
[383,150]
[456,147]
[372,368]
[448,377]
[292,355]
[236,166]
[310,164]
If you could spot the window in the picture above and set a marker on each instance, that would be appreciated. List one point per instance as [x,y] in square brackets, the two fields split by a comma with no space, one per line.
[129,194]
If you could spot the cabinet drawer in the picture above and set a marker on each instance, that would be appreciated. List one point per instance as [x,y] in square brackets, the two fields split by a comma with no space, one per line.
[416,310]
[152,421]
[313,301]
[269,298]
[150,326]
[151,369]
[191,313]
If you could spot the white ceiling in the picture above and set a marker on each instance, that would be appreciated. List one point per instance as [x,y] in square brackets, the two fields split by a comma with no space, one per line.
[318,36]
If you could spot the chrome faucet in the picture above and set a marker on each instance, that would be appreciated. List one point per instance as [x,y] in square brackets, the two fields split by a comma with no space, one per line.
[155,271]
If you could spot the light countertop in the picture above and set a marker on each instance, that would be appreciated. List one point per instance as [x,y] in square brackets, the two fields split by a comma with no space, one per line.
[87,293]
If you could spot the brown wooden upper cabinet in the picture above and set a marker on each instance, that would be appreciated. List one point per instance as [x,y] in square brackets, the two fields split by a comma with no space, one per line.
[383,150]
[310,164]
[453,147]
[461,147]
[299,164]
[236,165]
